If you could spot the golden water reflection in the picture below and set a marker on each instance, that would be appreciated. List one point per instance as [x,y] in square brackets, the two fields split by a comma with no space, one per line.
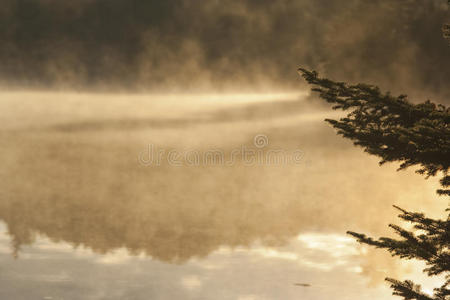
[74,178]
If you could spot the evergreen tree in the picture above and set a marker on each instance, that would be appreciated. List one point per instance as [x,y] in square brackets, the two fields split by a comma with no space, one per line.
[396,130]
[414,135]
[390,127]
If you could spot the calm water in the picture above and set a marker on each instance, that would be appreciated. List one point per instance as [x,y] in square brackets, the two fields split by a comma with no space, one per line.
[85,214]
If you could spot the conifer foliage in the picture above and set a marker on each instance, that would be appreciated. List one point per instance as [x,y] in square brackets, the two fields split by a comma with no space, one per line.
[396,130]
[390,127]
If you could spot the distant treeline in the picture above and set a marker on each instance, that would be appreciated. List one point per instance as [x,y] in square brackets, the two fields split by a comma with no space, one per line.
[186,43]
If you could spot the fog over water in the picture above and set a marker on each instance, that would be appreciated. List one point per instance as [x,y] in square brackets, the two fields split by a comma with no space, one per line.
[76,198]
[169,150]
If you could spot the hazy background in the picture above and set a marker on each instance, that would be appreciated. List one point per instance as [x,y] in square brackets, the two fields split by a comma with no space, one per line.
[81,216]
[180,45]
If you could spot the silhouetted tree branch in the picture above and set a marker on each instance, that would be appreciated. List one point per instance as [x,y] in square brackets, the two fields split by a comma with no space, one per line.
[413,134]
[394,129]
[390,127]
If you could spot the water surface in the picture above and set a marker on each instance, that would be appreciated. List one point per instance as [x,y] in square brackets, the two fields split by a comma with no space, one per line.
[82,217]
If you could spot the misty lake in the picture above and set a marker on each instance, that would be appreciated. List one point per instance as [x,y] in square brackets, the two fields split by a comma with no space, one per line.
[85,213]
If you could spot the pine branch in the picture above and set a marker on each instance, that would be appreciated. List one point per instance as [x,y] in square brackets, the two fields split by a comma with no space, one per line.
[408,290]
[390,127]
[433,246]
